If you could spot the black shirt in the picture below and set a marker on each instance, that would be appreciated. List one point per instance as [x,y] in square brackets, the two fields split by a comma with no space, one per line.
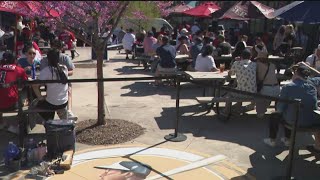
[224,48]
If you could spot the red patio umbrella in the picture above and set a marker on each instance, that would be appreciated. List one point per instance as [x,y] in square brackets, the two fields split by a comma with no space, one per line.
[180,8]
[16,7]
[203,10]
[36,6]
[245,10]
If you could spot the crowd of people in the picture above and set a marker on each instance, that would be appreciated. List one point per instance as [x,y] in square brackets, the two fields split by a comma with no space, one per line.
[254,72]
[29,63]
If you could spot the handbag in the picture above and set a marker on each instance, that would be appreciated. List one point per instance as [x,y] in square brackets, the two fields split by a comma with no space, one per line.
[260,83]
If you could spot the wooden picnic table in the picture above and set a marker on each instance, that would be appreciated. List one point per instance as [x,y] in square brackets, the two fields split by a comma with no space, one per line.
[181,58]
[205,76]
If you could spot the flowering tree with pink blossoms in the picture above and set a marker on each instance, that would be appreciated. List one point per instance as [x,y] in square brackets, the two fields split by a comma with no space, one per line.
[90,16]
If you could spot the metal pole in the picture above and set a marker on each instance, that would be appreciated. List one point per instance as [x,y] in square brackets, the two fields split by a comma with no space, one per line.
[21,118]
[176,136]
[293,138]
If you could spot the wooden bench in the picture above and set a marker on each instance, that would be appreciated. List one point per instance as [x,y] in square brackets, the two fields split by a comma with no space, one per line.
[217,100]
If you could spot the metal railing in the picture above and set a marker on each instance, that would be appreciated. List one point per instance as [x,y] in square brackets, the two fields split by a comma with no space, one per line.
[176,136]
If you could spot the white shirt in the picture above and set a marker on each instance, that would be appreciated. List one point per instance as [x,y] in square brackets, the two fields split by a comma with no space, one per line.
[57,93]
[194,29]
[204,64]
[128,41]
[310,59]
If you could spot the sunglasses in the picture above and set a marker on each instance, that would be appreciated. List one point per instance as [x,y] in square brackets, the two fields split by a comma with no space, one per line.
[32,53]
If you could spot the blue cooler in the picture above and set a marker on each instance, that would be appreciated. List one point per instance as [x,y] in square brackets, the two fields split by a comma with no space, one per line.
[60,137]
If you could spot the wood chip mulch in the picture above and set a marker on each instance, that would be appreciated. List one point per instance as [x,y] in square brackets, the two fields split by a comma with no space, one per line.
[116,131]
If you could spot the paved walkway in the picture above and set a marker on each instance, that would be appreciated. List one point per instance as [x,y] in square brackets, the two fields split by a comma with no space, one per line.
[240,140]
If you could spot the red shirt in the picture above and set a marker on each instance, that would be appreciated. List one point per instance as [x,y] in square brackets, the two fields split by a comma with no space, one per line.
[67,37]
[10,73]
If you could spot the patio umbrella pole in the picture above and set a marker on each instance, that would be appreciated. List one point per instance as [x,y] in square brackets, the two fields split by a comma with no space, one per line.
[15,36]
[176,136]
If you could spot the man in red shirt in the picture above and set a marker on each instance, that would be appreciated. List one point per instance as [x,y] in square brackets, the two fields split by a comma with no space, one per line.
[9,73]
[68,38]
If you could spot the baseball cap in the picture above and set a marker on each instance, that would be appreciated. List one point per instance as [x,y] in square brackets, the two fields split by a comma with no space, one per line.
[184,30]
[318,47]
[303,70]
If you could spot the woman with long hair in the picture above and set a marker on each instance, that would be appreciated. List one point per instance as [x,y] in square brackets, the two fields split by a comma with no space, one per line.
[279,37]
[205,61]
[57,93]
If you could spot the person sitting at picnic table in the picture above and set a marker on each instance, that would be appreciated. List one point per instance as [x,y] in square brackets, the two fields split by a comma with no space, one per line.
[304,88]
[66,61]
[29,63]
[205,61]
[167,54]
[240,46]
[267,82]
[148,42]
[128,41]
[182,48]
[26,41]
[195,50]
[57,93]
[224,48]
[245,71]
[258,47]
[9,73]
[314,59]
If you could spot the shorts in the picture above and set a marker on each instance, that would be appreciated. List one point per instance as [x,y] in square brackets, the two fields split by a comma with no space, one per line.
[166,70]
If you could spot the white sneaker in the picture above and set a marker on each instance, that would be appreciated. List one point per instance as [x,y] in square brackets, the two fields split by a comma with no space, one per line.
[13,129]
[270,142]
[71,116]
[285,141]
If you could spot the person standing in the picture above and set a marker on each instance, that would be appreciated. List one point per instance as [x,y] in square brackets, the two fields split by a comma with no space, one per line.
[66,61]
[68,38]
[57,93]
[128,41]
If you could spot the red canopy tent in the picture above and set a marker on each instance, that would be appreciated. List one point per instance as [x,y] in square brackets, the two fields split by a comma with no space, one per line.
[16,7]
[180,8]
[203,10]
[245,10]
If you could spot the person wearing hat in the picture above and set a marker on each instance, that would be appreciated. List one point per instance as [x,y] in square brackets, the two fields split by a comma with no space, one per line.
[182,48]
[9,73]
[267,82]
[314,59]
[304,88]
[183,32]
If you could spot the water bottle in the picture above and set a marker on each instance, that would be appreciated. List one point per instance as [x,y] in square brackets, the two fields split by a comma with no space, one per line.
[11,153]
[33,71]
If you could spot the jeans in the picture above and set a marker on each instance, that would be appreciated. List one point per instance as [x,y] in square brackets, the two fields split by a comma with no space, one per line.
[275,120]
[46,105]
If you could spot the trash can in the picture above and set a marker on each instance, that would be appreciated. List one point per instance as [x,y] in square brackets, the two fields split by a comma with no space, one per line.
[60,137]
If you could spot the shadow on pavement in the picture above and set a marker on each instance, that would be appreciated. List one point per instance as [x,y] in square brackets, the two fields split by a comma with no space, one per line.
[248,131]
[142,89]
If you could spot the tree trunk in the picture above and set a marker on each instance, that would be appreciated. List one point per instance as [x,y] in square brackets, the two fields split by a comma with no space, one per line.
[101,106]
